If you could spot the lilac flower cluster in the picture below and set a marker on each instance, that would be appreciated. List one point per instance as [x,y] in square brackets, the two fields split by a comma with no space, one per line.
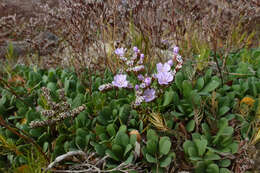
[133,64]
[143,91]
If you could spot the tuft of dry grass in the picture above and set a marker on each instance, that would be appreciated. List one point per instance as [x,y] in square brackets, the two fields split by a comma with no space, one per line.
[89,31]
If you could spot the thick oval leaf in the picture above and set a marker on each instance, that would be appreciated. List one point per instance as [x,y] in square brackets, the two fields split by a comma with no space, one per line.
[80,142]
[190,126]
[223,110]
[192,151]
[45,146]
[212,156]
[201,146]
[111,130]
[166,162]
[127,149]
[164,145]
[151,135]
[224,170]
[150,158]
[225,163]
[151,146]
[52,86]
[199,83]
[211,86]
[187,88]
[178,80]
[168,97]
[129,159]
[212,168]
[122,139]
[117,150]
[112,155]
[100,149]
[186,145]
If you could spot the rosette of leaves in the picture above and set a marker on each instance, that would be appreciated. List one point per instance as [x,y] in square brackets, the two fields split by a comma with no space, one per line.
[116,144]
[206,151]
[119,111]
[189,94]
[157,151]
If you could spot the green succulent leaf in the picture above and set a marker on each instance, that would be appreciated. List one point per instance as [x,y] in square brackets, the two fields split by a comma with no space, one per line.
[124,113]
[150,158]
[211,156]
[152,135]
[80,142]
[187,88]
[194,158]
[168,97]
[45,146]
[225,163]
[99,148]
[223,110]
[165,162]
[201,146]
[128,148]
[178,80]
[206,131]
[112,155]
[224,170]
[199,83]
[130,159]
[111,130]
[122,128]
[212,168]
[234,147]
[188,144]
[164,145]
[117,150]
[192,151]
[190,126]
[211,86]
[122,139]
[151,146]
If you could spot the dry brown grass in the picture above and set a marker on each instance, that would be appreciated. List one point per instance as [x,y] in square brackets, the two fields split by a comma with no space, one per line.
[89,30]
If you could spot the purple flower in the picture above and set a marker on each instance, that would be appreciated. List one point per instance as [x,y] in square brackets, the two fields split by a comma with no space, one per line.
[140,77]
[136,50]
[137,87]
[164,78]
[147,81]
[149,95]
[123,58]
[138,100]
[129,63]
[120,81]
[120,51]
[170,62]
[142,85]
[142,56]
[176,49]
[163,67]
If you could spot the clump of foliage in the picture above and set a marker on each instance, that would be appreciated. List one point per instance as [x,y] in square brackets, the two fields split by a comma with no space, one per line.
[197,121]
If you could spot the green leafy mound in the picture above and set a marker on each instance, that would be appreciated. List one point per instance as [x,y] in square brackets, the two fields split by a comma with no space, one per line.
[198,123]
